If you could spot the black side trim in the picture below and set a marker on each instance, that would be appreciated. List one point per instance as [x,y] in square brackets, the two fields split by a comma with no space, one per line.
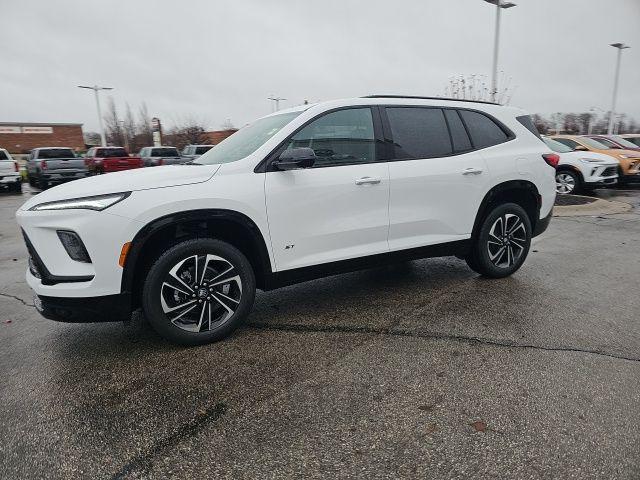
[542,224]
[137,244]
[522,185]
[109,308]
[47,278]
[297,275]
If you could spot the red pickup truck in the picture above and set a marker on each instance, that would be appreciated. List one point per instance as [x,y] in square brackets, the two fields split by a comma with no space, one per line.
[110,159]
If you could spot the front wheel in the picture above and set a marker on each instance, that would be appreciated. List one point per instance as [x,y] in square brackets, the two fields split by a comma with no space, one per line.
[502,242]
[198,291]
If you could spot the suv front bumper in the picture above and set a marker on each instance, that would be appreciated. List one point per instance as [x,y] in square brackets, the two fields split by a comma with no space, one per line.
[109,308]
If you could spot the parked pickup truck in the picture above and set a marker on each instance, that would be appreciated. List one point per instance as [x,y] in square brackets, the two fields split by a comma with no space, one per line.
[155,156]
[110,159]
[191,152]
[9,172]
[49,165]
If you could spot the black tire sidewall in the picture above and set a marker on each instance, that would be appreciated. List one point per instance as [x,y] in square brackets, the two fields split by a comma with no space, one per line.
[156,275]
[480,254]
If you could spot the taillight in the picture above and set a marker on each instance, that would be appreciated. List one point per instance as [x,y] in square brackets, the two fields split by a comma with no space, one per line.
[161,161]
[43,164]
[87,162]
[15,165]
[552,159]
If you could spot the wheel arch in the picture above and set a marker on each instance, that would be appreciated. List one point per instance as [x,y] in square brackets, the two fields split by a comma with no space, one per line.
[156,236]
[521,192]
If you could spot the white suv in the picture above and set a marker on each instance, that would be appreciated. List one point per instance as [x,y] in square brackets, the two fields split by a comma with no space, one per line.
[306,192]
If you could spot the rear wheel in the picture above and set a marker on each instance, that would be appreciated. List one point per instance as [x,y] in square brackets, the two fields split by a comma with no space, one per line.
[198,291]
[43,184]
[502,243]
[568,182]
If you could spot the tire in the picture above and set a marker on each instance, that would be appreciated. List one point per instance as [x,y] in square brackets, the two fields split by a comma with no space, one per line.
[495,254]
[31,181]
[16,187]
[568,182]
[172,282]
[43,184]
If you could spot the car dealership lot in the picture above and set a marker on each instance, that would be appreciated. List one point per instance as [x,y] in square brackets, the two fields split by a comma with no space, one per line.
[421,369]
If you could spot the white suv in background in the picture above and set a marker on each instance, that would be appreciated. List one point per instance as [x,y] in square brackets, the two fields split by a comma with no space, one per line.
[580,171]
[306,192]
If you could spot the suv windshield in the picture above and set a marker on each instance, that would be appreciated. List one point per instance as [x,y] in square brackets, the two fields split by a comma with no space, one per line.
[111,152]
[557,146]
[164,152]
[246,140]
[56,153]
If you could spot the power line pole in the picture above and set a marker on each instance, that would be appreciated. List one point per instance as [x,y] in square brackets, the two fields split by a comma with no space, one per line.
[612,112]
[96,88]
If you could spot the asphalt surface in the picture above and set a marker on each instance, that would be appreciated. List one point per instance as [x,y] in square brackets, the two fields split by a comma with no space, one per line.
[421,370]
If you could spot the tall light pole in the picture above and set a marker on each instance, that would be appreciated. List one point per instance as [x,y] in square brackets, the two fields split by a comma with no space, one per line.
[96,88]
[612,113]
[500,4]
[276,101]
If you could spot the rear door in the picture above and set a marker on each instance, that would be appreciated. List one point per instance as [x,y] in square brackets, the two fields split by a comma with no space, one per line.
[337,209]
[437,179]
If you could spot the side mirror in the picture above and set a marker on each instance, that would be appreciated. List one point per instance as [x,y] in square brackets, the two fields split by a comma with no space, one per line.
[580,148]
[295,158]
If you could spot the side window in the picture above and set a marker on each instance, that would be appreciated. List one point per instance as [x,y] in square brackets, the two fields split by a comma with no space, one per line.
[343,137]
[484,131]
[418,132]
[607,142]
[461,142]
[90,153]
[569,143]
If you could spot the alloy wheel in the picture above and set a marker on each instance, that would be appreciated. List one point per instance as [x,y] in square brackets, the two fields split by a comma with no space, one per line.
[201,293]
[507,240]
[565,183]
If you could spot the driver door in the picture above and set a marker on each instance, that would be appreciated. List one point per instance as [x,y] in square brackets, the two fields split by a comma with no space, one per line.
[338,208]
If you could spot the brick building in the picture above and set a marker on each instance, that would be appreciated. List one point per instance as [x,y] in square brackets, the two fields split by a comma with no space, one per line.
[20,138]
[214,138]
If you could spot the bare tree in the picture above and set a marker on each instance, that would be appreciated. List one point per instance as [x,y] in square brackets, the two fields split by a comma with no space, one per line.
[129,130]
[189,131]
[91,138]
[144,133]
[476,87]
[113,127]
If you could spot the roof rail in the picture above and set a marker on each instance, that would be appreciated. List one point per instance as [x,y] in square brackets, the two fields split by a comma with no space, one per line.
[430,98]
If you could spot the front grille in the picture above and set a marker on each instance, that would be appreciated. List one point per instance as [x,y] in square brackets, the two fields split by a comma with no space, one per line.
[607,172]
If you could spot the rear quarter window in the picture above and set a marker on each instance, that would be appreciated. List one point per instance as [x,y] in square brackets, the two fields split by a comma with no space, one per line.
[483,130]
[527,122]
[3,156]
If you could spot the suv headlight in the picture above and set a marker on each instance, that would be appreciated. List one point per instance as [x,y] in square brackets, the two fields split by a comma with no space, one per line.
[96,202]
[591,160]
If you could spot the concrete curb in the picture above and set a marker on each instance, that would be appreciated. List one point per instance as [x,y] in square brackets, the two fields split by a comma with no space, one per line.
[599,207]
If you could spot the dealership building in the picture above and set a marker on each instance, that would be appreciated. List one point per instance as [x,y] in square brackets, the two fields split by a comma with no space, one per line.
[20,138]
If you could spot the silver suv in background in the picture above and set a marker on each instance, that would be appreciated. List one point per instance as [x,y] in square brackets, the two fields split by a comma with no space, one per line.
[9,172]
[191,152]
[51,165]
[156,156]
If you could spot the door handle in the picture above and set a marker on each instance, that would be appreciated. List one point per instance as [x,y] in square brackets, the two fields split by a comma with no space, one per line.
[368,181]
[472,171]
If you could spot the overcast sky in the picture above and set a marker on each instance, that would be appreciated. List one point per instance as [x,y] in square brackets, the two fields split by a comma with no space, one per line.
[217,60]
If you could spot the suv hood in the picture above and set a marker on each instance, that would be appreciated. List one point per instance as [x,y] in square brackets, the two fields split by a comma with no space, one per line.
[128,180]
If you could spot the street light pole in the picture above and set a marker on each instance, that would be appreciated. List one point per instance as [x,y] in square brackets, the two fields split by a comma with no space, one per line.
[276,101]
[500,4]
[96,88]
[612,112]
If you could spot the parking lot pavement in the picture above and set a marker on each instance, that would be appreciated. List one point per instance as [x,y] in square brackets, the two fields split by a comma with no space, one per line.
[418,370]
